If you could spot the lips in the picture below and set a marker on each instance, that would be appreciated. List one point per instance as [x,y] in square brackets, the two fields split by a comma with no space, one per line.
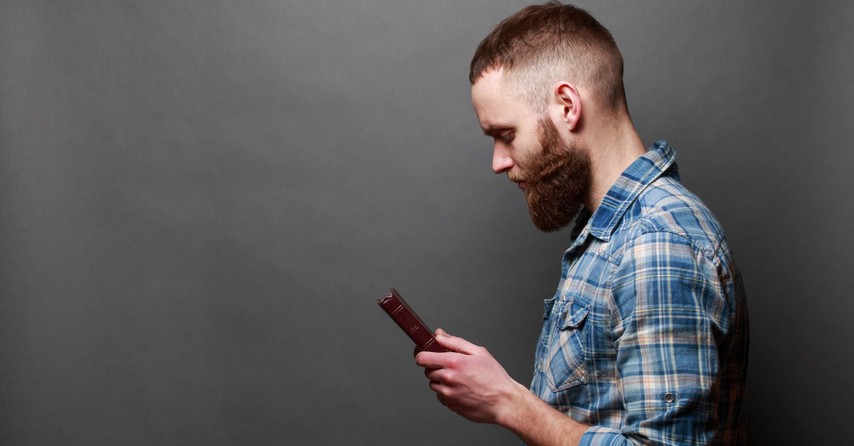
[519,181]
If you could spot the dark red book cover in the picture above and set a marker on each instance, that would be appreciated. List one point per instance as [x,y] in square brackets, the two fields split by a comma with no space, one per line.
[409,322]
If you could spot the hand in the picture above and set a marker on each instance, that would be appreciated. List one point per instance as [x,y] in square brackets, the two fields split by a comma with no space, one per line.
[469,381]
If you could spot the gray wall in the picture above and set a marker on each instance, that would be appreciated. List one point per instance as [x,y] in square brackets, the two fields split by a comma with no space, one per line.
[201,200]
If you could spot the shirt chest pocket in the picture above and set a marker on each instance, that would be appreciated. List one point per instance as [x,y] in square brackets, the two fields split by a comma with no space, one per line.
[565,361]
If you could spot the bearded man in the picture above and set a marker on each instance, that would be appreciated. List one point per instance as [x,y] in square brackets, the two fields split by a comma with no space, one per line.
[645,340]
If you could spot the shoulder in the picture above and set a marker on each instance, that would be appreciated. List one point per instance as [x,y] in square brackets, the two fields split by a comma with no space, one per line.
[667,211]
[670,252]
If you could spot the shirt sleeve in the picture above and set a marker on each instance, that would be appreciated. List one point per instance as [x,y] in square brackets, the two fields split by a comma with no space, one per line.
[670,314]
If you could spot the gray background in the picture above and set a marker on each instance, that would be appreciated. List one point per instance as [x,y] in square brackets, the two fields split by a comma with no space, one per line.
[201,200]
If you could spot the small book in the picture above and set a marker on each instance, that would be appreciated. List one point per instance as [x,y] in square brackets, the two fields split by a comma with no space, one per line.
[409,322]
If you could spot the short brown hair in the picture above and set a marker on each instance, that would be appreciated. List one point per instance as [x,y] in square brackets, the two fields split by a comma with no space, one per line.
[544,43]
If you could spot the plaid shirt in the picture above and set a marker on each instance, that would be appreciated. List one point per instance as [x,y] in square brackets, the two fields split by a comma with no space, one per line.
[646,337]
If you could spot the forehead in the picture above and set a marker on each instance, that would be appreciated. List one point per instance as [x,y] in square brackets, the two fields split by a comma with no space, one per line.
[495,105]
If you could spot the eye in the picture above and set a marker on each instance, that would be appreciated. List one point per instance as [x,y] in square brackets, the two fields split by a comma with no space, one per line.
[507,137]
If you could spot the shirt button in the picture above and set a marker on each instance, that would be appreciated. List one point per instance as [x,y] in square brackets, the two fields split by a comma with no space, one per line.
[669,398]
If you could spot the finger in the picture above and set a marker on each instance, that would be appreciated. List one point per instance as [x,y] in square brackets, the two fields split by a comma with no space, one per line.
[435,386]
[455,343]
[428,372]
[439,388]
[436,376]
[431,360]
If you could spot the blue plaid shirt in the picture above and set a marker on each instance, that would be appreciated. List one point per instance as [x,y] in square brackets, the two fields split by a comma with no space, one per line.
[646,337]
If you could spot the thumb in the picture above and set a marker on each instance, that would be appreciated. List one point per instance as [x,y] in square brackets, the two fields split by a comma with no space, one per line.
[454,343]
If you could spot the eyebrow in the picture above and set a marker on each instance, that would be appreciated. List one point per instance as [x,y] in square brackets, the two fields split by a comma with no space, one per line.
[494,129]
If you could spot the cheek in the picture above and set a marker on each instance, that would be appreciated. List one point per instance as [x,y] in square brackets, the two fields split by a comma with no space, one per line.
[529,156]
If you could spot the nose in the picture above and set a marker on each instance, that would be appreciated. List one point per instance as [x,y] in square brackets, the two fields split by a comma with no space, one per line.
[501,159]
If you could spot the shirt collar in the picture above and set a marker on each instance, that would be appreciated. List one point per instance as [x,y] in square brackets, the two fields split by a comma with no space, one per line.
[641,173]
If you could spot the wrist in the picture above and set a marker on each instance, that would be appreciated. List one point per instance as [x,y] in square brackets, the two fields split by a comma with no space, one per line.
[537,423]
[513,412]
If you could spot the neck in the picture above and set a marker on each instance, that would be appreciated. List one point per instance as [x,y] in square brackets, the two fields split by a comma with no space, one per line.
[614,145]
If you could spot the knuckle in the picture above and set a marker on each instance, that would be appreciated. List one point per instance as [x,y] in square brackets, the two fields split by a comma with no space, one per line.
[453,362]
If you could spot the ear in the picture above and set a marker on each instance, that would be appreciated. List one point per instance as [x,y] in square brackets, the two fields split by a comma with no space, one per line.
[569,100]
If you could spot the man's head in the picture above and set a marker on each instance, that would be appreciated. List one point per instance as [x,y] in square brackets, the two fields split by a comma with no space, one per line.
[543,44]
[529,78]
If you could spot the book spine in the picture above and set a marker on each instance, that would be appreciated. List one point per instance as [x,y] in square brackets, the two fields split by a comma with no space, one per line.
[412,325]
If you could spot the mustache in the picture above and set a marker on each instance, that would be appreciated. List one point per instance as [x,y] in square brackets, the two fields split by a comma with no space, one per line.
[515,178]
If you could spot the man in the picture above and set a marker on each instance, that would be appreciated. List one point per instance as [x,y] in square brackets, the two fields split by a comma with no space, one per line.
[645,341]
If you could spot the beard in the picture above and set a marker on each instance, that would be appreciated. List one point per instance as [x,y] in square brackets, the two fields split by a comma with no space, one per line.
[556,180]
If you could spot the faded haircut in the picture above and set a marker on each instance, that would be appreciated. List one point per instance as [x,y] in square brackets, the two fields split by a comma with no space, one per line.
[542,44]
